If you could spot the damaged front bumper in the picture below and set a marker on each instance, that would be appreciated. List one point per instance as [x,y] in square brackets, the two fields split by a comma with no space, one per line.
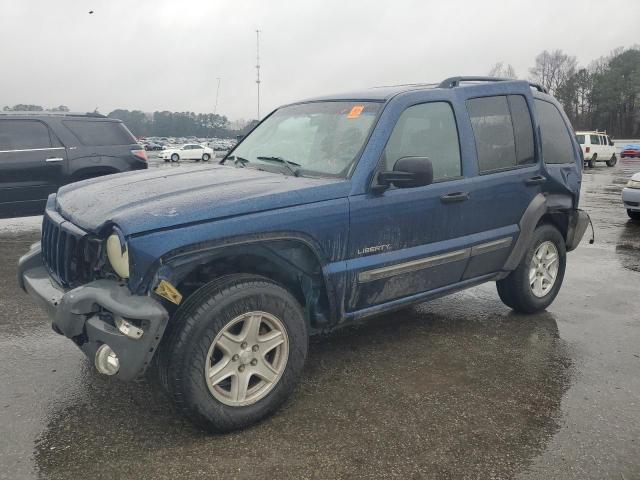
[91,314]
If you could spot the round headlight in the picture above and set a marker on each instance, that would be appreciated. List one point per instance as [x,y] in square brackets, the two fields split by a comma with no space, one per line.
[118,256]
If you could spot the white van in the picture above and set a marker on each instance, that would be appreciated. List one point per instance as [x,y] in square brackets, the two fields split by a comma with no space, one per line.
[597,147]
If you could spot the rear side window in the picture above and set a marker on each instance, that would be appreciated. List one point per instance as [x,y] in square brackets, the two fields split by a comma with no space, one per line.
[23,135]
[595,139]
[580,139]
[523,130]
[92,133]
[503,132]
[426,130]
[556,142]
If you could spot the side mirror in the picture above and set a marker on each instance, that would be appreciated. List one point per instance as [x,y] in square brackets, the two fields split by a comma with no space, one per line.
[408,172]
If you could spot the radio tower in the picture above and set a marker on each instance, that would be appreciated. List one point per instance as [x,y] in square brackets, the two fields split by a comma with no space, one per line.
[258,68]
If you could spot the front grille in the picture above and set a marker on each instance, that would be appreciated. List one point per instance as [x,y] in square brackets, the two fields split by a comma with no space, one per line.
[63,249]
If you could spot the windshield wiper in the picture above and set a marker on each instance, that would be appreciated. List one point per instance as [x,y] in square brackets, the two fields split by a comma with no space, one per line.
[236,160]
[287,163]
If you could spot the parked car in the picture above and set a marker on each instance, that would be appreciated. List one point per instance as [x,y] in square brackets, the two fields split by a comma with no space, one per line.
[189,151]
[631,197]
[597,147]
[630,151]
[40,152]
[330,211]
[152,146]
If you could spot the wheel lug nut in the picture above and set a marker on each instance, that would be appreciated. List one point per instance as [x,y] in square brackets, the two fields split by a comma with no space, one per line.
[241,368]
[254,348]
[243,345]
[235,358]
[254,362]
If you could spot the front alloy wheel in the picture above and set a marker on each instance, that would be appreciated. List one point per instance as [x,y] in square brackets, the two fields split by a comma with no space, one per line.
[234,351]
[247,358]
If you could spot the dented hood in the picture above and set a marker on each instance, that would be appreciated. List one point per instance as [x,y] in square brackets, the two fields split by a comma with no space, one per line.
[165,197]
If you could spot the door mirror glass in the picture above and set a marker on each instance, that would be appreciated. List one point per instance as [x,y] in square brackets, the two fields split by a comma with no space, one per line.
[408,172]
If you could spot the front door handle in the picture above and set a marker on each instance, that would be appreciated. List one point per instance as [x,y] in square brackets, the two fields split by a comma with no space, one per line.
[53,159]
[455,197]
[537,180]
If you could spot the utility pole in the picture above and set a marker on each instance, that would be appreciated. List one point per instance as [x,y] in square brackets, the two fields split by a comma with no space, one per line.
[215,108]
[258,68]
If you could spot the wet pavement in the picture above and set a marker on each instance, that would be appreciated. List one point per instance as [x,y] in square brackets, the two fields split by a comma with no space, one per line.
[457,388]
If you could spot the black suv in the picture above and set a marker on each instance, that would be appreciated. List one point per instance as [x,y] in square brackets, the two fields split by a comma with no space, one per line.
[40,152]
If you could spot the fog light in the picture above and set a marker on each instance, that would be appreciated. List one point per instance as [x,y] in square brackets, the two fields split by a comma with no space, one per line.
[107,361]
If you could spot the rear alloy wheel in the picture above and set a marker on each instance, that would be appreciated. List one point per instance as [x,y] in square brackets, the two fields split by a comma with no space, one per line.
[175,157]
[206,157]
[612,161]
[234,353]
[534,284]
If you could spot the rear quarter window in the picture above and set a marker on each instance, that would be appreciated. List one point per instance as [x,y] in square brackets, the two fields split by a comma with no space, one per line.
[580,139]
[556,142]
[96,133]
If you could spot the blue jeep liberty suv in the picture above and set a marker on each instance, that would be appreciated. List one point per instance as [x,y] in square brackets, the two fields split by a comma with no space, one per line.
[331,210]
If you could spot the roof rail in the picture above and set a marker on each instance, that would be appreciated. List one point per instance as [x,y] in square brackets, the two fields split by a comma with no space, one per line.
[453,82]
[53,114]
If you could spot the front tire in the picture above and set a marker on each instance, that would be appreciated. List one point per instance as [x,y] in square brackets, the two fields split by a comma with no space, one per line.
[612,162]
[633,214]
[175,158]
[534,284]
[206,157]
[235,353]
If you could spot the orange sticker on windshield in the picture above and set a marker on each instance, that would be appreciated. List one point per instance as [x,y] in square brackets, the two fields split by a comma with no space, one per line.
[356,111]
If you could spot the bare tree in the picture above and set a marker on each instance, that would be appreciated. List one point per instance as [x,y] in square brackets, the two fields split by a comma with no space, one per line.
[503,71]
[553,69]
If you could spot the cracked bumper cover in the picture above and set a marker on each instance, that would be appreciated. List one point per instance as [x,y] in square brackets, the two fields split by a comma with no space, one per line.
[80,314]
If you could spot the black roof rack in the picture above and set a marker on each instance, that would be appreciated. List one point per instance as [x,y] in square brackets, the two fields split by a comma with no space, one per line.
[453,82]
[54,114]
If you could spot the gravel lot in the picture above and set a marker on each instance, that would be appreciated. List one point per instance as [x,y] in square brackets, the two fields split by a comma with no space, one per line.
[457,388]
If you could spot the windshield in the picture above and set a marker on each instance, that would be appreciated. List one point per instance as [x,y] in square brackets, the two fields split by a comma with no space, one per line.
[321,138]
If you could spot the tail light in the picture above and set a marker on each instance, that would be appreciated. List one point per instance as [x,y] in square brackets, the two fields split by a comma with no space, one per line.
[587,149]
[141,154]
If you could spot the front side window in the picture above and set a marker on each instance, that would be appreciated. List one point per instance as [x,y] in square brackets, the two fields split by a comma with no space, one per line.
[318,138]
[556,141]
[426,130]
[23,135]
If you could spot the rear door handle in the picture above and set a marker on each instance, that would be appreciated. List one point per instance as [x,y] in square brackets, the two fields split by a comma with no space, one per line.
[455,197]
[537,180]
[53,159]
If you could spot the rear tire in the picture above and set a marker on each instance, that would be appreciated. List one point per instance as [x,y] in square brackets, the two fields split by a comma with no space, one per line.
[592,162]
[525,290]
[612,162]
[199,349]
[633,215]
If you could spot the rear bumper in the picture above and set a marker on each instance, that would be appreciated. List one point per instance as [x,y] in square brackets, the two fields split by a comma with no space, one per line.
[631,198]
[86,314]
[578,223]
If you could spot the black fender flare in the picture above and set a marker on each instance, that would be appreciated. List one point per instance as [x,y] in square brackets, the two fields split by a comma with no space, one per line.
[538,207]
[175,265]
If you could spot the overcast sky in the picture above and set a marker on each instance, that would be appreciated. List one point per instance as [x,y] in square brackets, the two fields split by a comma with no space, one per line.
[166,54]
